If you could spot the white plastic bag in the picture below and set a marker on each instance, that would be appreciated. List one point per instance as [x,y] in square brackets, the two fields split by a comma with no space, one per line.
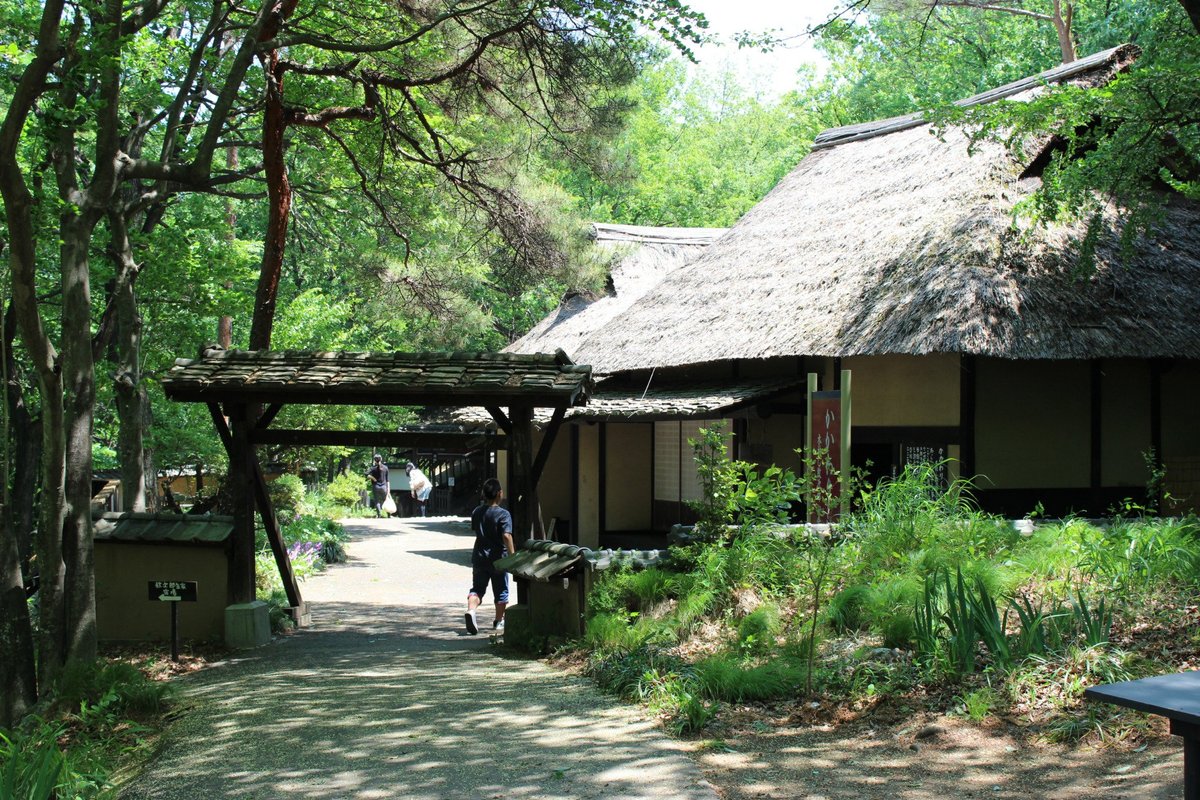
[389,505]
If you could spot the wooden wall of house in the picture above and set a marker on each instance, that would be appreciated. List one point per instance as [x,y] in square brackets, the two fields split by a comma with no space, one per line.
[1125,421]
[123,572]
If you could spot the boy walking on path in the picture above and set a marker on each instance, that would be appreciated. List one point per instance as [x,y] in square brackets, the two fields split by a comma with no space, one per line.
[493,541]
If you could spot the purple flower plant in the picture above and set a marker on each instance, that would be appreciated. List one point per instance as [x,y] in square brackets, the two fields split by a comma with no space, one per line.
[308,551]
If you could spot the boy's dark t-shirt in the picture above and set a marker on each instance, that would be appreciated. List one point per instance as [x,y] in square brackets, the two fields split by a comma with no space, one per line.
[379,476]
[490,523]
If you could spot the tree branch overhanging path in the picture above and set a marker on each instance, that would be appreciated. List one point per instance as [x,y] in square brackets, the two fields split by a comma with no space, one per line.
[120,112]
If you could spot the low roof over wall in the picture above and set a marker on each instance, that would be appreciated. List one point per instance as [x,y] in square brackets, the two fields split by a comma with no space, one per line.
[175,528]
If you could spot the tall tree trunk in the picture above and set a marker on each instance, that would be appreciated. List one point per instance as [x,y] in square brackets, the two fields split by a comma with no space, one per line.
[131,398]
[279,189]
[22,249]
[1064,15]
[18,686]
[1192,7]
[279,200]
[25,435]
[79,381]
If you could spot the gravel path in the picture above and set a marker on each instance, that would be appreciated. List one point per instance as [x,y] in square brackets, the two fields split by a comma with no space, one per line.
[385,696]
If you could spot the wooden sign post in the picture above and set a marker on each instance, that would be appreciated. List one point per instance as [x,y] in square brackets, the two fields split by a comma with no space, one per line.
[174,592]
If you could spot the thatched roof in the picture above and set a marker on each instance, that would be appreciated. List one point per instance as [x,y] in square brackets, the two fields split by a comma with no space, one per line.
[903,242]
[616,401]
[646,255]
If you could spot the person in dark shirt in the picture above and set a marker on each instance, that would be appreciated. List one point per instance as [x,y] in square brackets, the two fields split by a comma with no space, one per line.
[380,484]
[493,541]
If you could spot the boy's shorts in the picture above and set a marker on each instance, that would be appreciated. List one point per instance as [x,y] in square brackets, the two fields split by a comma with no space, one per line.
[482,576]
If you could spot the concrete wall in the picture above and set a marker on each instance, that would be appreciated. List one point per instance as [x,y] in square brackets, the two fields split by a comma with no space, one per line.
[123,570]
[629,478]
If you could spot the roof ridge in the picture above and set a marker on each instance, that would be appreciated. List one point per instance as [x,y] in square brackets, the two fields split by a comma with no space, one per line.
[1119,57]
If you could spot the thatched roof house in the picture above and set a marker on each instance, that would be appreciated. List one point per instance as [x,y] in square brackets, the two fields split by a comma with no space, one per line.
[971,335]
[889,239]
[643,256]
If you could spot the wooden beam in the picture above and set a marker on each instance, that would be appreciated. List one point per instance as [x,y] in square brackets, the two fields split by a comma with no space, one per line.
[266,511]
[521,489]
[268,416]
[218,418]
[367,396]
[548,437]
[502,420]
[442,441]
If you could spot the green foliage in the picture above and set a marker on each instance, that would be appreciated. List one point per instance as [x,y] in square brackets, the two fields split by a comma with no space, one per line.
[119,688]
[726,679]
[287,496]
[32,767]
[978,704]
[757,630]
[848,609]
[344,491]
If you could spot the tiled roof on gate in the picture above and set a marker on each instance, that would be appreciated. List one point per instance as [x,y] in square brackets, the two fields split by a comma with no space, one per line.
[384,378]
[541,560]
[177,528]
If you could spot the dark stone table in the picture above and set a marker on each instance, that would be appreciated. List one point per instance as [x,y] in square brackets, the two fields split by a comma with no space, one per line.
[1176,697]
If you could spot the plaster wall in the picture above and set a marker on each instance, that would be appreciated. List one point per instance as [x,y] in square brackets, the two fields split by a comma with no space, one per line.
[1180,417]
[628,480]
[123,572]
[554,488]
[1124,421]
[1033,424]
[589,486]
[905,390]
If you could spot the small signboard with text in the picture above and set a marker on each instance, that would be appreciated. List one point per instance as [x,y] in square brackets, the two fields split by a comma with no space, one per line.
[826,440]
[173,591]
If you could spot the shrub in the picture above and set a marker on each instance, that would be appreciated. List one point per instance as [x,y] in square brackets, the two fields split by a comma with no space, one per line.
[31,765]
[848,610]
[344,491]
[757,630]
[287,496]
[724,679]
[127,689]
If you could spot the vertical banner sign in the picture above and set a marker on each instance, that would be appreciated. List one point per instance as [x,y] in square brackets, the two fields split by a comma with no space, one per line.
[827,445]
[826,424]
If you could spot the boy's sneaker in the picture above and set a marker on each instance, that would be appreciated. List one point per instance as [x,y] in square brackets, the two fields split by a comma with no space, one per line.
[498,625]
[472,625]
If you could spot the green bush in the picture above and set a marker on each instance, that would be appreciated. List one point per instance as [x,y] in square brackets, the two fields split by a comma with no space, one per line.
[32,767]
[127,689]
[345,491]
[726,680]
[287,496]
[757,630]
[849,609]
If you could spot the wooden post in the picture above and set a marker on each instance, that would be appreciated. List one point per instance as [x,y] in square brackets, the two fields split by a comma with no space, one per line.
[1096,436]
[966,417]
[241,557]
[846,467]
[808,445]
[275,537]
[522,493]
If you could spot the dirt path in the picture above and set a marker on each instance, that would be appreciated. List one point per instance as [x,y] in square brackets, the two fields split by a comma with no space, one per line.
[385,696]
[962,760]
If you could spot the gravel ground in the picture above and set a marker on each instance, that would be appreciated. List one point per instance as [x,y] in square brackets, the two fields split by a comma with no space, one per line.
[386,696]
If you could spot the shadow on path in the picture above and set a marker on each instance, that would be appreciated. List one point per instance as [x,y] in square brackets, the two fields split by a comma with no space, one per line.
[386,697]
